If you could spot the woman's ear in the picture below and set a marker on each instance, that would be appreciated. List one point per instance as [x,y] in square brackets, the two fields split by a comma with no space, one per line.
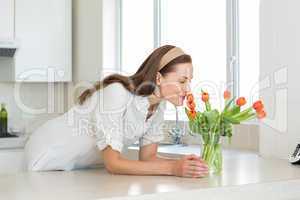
[158,78]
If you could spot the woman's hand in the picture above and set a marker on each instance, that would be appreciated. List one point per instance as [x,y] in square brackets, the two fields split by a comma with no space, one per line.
[190,166]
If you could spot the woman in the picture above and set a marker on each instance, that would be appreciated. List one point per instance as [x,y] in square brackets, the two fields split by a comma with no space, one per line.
[115,113]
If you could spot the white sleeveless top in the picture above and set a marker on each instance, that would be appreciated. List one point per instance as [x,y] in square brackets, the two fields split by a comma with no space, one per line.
[112,116]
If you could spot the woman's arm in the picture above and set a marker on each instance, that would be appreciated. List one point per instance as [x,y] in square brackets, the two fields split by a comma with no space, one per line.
[186,166]
[149,152]
[116,164]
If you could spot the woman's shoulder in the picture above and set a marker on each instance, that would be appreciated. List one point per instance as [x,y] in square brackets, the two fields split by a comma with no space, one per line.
[115,95]
[115,87]
[116,90]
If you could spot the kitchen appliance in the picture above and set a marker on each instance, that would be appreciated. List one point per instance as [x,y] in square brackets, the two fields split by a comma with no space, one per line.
[7,48]
[295,157]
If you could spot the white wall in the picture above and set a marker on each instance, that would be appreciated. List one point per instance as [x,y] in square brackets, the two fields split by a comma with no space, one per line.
[87,40]
[279,72]
[87,65]
[110,34]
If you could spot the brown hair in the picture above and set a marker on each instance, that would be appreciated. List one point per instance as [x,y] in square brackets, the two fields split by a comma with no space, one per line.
[142,82]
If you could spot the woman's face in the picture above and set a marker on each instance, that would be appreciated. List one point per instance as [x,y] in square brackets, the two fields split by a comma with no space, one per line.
[175,85]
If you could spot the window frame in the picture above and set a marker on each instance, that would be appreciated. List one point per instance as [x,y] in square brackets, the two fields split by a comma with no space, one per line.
[232,42]
[232,26]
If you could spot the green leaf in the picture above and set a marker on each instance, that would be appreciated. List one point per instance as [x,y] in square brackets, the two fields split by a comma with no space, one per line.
[234,110]
[231,120]
[227,106]
[226,128]
[246,117]
[243,113]
[211,116]
[207,106]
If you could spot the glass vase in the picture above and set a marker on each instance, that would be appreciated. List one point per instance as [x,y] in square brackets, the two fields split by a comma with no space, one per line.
[211,153]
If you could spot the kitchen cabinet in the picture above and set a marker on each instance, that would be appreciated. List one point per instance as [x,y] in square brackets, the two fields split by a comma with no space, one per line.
[43,33]
[6,20]
[43,36]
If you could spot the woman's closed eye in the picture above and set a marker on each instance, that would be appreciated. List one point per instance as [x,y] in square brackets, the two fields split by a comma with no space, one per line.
[185,81]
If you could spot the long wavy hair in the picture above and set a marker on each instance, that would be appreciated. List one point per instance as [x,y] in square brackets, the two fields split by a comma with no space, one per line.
[143,81]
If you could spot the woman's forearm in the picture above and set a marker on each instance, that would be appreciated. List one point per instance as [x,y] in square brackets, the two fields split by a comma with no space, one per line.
[150,163]
[149,167]
[162,158]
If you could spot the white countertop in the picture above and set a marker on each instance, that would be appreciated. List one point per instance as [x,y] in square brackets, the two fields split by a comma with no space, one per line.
[13,142]
[244,173]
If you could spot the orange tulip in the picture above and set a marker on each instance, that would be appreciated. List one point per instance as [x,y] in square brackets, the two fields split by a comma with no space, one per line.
[227,94]
[241,101]
[205,96]
[258,106]
[191,105]
[193,114]
[190,98]
[261,114]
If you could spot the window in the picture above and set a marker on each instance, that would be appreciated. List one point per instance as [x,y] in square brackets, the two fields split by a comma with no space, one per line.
[198,27]
[249,48]
[137,33]
[220,35]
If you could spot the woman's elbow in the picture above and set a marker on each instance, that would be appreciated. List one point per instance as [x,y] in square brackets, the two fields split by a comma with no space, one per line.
[111,160]
[111,168]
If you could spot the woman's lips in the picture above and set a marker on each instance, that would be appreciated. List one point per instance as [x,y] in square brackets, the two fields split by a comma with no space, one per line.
[182,98]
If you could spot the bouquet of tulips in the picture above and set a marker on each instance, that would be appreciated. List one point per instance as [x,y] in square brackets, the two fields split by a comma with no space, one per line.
[212,124]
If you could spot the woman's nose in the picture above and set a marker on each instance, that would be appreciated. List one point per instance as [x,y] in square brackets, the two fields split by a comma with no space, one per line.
[187,88]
